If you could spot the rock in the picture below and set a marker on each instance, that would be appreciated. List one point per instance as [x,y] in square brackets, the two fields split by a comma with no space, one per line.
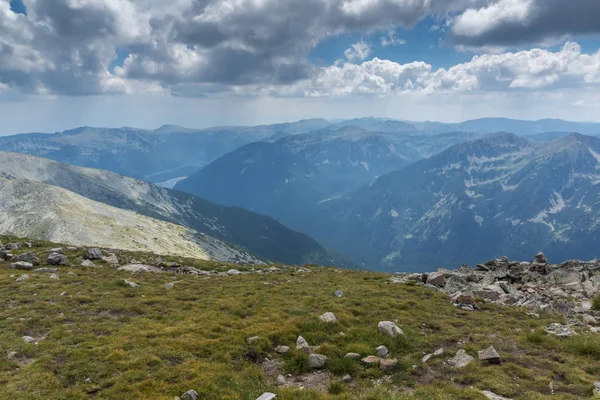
[71,273]
[12,246]
[45,270]
[589,319]
[140,268]
[464,298]
[233,272]
[28,257]
[54,276]
[93,254]
[22,265]
[132,284]
[316,361]
[267,396]
[28,339]
[460,360]
[370,360]
[5,255]
[22,278]
[328,317]
[388,328]
[597,390]
[282,349]
[427,357]
[58,250]
[347,378]
[493,396]
[87,264]
[169,285]
[541,258]
[281,380]
[436,279]
[57,259]
[560,330]
[189,395]
[455,284]
[252,339]
[111,259]
[302,344]
[490,355]
[382,351]
[339,293]
[353,356]
[388,365]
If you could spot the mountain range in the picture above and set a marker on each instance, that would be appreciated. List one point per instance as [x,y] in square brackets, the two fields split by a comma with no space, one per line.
[255,233]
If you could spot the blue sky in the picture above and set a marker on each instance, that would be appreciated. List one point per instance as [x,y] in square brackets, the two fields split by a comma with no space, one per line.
[206,62]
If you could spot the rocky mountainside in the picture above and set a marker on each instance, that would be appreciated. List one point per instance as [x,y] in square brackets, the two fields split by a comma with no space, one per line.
[287,178]
[36,210]
[258,234]
[153,155]
[500,195]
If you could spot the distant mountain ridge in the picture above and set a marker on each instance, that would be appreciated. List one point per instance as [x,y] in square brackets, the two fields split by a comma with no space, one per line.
[258,234]
[499,195]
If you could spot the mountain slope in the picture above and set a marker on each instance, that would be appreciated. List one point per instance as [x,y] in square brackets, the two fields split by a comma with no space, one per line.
[501,195]
[287,178]
[259,234]
[44,212]
[159,155]
[518,127]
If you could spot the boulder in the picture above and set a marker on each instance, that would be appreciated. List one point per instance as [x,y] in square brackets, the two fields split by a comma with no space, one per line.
[58,250]
[12,246]
[328,317]
[22,265]
[464,298]
[460,360]
[22,278]
[353,356]
[489,355]
[370,360]
[93,254]
[54,276]
[267,396]
[316,361]
[302,344]
[455,284]
[388,365]
[233,272]
[541,258]
[28,339]
[281,380]
[347,378]
[560,330]
[282,349]
[56,259]
[382,351]
[189,395]
[388,328]
[87,264]
[111,259]
[436,279]
[28,257]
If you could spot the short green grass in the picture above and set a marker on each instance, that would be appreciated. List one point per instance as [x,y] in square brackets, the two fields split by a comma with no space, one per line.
[153,343]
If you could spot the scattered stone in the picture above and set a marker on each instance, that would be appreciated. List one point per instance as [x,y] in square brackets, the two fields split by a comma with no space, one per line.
[58,250]
[189,395]
[22,278]
[132,284]
[252,339]
[316,361]
[22,265]
[460,360]
[57,259]
[111,259]
[45,270]
[353,356]
[267,396]
[388,328]
[282,349]
[370,360]
[71,273]
[54,276]
[302,344]
[347,378]
[281,380]
[427,357]
[140,268]
[12,246]
[597,390]
[388,365]
[436,279]
[233,272]
[589,319]
[560,330]
[28,339]
[339,293]
[328,317]
[87,264]
[28,257]
[493,396]
[93,254]
[382,351]
[169,285]
[490,355]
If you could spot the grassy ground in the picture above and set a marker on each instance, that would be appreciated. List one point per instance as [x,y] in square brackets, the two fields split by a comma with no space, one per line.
[153,343]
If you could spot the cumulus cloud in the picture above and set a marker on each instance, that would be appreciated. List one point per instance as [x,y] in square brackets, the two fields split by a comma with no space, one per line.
[518,22]
[391,40]
[358,51]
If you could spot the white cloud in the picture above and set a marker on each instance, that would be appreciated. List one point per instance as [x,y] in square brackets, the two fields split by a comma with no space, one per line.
[391,40]
[358,51]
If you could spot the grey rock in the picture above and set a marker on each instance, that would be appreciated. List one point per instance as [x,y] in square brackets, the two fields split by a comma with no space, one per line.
[22,278]
[382,351]
[493,396]
[388,328]
[169,285]
[371,360]
[12,246]
[282,349]
[455,284]
[45,270]
[460,360]
[347,378]
[130,283]
[339,293]
[140,268]
[436,279]
[596,389]
[54,276]
[541,258]
[57,259]
[388,365]
[111,259]
[267,396]
[328,317]
[302,344]
[93,254]
[233,272]
[490,355]
[560,330]
[21,265]
[189,395]
[28,339]
[316,361]
[281,380]
[87,264]
[252,339]
[28,257]
[71,273]
[353,356]
[58,250]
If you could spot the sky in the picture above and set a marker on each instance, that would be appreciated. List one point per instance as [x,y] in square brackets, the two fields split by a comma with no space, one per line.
[199,63]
